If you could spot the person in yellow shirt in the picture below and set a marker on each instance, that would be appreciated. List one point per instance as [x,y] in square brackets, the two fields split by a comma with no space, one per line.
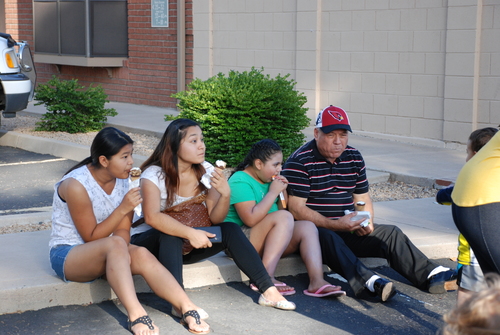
[470,277]
[476,204]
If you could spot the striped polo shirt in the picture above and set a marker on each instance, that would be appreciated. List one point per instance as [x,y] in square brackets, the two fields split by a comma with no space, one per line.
[327,187]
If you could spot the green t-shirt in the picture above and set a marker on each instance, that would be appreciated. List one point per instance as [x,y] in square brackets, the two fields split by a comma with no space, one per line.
[245,188]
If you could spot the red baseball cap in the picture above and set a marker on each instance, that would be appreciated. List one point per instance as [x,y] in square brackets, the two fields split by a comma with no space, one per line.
[332,118]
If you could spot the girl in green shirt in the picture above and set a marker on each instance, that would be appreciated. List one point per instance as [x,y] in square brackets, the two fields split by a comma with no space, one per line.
[256,188]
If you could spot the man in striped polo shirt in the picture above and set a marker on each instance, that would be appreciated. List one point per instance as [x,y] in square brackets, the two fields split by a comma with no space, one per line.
[326,178]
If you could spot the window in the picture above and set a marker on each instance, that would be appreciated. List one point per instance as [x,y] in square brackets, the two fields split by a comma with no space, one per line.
[81,28]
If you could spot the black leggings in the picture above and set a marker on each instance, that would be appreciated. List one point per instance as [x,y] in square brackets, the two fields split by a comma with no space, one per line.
[480,227]
[168,250]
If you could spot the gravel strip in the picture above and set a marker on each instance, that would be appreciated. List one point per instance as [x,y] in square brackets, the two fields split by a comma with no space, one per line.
[144,145]
[25,228]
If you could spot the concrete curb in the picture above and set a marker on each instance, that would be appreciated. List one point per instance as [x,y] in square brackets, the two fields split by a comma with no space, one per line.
[375,176]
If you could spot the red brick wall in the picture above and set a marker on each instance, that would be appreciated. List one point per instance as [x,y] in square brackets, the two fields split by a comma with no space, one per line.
[19,19]
[148,77]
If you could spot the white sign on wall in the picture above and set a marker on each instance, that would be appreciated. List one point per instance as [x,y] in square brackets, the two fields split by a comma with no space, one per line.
[159,13]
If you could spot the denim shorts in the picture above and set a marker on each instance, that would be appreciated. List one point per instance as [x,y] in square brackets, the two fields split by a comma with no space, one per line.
[58,256]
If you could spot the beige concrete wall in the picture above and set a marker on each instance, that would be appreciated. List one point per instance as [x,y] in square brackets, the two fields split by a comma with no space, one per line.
[414,68]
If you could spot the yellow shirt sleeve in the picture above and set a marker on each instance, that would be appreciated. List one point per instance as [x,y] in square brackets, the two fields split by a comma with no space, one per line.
[478,183]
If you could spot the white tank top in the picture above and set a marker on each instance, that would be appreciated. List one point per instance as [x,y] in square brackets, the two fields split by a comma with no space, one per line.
[103,204]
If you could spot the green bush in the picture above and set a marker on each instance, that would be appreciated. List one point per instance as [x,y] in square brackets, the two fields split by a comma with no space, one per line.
[71,108]
[237,110]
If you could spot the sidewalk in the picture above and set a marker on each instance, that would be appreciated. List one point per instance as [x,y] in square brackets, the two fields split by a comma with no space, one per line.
[28,283]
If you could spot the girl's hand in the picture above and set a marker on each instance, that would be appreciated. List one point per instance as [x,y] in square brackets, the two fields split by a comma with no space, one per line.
[282,178]
[132,199]
[279,184]
[219,182]
[199,239]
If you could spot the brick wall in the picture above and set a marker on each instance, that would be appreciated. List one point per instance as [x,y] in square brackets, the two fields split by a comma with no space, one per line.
[148,77]
[19,19]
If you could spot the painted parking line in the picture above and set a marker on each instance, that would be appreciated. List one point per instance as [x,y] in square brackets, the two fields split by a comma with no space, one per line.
[35,162]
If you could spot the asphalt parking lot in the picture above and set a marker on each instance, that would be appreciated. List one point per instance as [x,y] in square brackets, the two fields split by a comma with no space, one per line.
[27,179]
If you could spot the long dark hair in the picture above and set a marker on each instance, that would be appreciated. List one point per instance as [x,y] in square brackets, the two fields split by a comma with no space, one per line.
[108,142]
[263,150]
[165,156]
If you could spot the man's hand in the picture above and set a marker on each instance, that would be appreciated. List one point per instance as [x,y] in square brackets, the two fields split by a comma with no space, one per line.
[297,206]
[346,223]
[362,231]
